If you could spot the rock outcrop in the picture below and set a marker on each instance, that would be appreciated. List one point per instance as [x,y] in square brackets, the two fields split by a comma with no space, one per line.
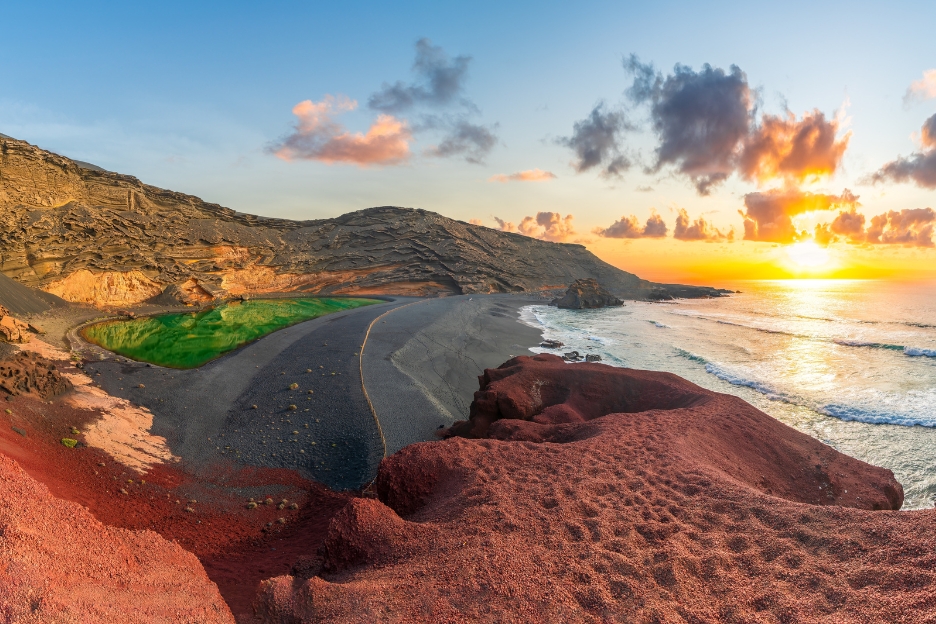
[12,329]
[586,293]
[90,235]
[602,494]
[59,564]
[27,372]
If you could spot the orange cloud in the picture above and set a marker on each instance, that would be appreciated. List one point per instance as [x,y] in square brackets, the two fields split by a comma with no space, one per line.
[629,227]
[505,226]
[768,215]
[549,226]
[909,227]
[530,175]
[922,89]
[475,222]
[698,230]
[318,137]
[797,150]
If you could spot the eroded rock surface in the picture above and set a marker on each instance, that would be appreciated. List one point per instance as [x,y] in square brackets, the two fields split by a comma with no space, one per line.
[27,372]
[613,495]
[90,235]
[586,293]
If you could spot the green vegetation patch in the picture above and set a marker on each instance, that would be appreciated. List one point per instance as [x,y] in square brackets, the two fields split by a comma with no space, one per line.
[188,340]
[70,443]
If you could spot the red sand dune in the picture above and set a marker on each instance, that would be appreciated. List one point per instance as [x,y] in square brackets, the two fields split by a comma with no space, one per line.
[59,564]
[595,494]
[205,515]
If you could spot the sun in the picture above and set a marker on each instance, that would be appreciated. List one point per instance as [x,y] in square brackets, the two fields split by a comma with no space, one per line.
[808,255]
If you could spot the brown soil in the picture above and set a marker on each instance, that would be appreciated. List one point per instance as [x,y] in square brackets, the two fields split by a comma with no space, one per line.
[613,495]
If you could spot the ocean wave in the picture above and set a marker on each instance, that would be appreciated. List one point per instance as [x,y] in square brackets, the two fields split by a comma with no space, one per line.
[876,416]
[869,345]
[915,352]
[690,356]
[736,378]
[659,324]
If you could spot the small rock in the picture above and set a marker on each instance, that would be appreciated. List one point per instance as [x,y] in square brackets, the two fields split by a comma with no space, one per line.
[123,491]
[551,344]
[189,509]
[308,370]
[292,408]
[281,506]
[253,407]
[294,506]
[293,386]
[8,411]
[593,357]
[311,392]
[295,433]
[140,386]
[268,501]
[251,505]
[281,520]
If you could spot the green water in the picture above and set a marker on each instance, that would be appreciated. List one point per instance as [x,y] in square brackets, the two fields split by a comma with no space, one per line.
[188,340]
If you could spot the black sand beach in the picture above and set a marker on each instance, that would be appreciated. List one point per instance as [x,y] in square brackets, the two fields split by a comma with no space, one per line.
[420,365]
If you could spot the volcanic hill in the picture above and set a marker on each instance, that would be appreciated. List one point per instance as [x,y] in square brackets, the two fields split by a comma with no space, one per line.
[92,236]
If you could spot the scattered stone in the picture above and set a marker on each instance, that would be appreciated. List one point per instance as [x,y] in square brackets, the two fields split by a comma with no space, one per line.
[12,329]
[20,431]
[75,431]
[572,356]
[281,506]
[140,386]
[123,491]
[308,370]
[295,433]
[251,505]
[268,501]
[292,408]
[311,392]
[253,407]
[293,386]
[281,520]
[294,506]
[189,510]
[8,411]
[69,442]
[551,344]
[592,357]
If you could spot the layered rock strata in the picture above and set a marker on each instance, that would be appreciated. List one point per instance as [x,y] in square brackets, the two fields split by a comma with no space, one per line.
[93,236]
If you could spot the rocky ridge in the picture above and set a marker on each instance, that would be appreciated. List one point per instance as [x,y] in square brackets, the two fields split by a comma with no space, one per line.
[92,236]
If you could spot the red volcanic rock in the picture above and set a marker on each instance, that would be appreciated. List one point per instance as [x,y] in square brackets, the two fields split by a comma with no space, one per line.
[27,372]
[59,564]
[677,505]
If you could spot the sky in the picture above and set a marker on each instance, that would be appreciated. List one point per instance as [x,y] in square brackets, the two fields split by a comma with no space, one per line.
[681,141]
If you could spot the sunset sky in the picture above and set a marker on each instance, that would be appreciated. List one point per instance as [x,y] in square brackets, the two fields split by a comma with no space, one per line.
[679,141]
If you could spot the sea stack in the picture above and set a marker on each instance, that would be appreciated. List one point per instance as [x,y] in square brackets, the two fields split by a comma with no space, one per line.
[586,293]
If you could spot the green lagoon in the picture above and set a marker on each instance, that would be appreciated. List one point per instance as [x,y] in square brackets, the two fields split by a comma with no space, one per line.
[188,340]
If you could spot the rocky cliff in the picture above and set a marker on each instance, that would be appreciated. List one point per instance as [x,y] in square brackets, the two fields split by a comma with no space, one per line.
[93,236]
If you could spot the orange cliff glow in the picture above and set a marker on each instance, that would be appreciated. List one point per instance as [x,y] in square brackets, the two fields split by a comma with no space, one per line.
[669,261]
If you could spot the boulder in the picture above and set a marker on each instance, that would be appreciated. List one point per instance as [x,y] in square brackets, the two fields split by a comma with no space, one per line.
[586,293]
[12,329]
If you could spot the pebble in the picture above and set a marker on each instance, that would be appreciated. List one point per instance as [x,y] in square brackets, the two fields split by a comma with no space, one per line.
[293,386]
[251,505]
[123,491]
[141,386]
[281,520]
[292,408]
[294,506]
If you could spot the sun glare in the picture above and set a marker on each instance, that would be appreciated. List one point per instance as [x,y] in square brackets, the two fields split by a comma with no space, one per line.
[808,255]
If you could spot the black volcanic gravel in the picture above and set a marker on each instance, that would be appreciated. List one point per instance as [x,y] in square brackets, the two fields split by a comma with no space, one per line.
[207,418]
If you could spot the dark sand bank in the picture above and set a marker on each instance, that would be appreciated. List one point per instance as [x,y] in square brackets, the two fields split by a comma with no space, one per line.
[420,365]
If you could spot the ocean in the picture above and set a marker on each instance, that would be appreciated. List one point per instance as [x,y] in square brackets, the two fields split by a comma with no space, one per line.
[849,362]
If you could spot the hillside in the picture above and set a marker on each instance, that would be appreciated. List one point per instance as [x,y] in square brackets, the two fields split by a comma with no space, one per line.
[94,236]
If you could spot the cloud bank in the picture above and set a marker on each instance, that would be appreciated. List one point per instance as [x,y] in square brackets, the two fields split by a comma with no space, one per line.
[440,88]
[922,89]
[316,136]
[768,216]
[550,226]
[909,227]
[919,167]
[596,141]
[629,227]
[698,230]
[530,175]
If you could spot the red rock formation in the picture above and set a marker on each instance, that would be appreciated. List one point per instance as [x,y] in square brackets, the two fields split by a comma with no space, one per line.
[27,372]
[59,564]
[613,495]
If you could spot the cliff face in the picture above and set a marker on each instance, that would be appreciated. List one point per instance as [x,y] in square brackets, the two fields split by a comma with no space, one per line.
[99,237]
